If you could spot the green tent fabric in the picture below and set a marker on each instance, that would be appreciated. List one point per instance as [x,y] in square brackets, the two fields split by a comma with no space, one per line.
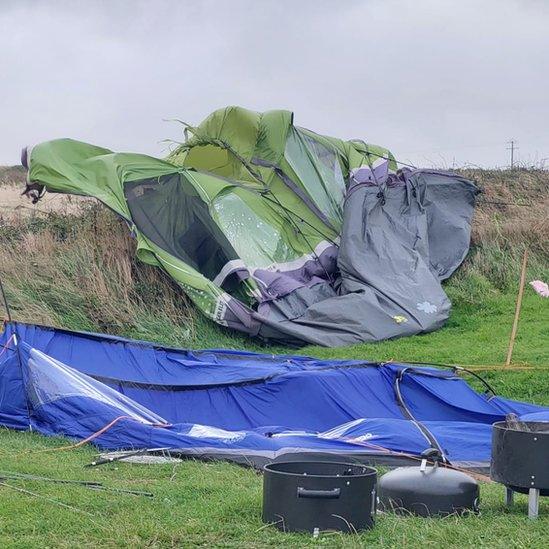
[266,150]
[249,215]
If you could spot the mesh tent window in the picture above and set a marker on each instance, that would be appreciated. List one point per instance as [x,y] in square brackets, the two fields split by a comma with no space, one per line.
[171,214]
[319,171]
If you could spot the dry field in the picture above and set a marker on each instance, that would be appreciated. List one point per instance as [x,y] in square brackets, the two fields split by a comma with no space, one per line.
[13,204]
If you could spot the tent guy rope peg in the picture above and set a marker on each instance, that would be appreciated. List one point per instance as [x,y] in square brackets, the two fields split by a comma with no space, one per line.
[92,485]
[101,462]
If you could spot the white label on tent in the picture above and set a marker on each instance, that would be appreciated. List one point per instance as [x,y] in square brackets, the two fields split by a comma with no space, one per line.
[427,307]
[206,431]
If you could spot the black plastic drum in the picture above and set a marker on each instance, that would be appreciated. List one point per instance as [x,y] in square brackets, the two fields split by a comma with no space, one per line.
[520,456]
[317,496]
[428,492]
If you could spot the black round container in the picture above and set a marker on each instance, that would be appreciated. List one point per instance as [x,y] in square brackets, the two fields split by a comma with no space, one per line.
[307,496]
[435,491]
[520,456]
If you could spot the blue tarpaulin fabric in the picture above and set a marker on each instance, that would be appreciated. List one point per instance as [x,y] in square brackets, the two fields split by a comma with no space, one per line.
[238,405]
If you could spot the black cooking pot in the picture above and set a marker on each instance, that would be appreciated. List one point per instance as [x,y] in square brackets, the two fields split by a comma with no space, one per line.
[315,496]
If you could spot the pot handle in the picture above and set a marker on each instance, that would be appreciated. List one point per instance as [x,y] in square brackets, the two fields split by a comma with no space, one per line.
[318,494]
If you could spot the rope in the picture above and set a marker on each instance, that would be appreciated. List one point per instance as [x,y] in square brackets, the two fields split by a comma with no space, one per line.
[482,201]
[378,447]
[93,436]
[415,457]
[6,347]
[388,158]
[5,299]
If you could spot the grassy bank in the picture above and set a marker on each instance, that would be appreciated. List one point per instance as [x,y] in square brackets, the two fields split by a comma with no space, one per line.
[79,272]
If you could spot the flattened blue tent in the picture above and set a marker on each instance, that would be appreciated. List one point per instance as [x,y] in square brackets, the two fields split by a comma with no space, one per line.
[246,407]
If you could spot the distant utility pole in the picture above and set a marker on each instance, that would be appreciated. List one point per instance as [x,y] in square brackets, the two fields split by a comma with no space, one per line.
[513,147]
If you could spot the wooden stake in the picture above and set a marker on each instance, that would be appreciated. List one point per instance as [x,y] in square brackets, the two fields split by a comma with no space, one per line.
[517,308]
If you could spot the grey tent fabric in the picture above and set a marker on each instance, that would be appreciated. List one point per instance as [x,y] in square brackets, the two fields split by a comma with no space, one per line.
[449,201]
[252,253]
[400,238]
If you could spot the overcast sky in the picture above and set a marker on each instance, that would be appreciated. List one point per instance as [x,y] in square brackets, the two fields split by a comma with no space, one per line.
[435,81]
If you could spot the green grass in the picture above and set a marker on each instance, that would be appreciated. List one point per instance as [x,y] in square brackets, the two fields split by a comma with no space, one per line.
[78,272]
[207,504]
[474,335]
[219,504]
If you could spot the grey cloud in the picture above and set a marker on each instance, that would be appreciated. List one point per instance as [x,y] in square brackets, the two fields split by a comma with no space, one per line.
[433,80]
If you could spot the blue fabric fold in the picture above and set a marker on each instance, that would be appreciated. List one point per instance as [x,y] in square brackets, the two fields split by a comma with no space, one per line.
[237,404]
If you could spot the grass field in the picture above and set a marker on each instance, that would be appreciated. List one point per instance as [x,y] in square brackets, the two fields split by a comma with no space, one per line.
[201,504]
[78,271]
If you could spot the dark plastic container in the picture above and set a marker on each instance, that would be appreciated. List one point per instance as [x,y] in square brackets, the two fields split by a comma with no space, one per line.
[315,496]
[520,457]
[428,492]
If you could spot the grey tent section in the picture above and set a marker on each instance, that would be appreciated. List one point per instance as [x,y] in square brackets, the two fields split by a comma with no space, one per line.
[400,238]
[254,256]
[449,201]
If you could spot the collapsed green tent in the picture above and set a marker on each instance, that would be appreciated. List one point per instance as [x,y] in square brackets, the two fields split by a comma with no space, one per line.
[279,232]
[267,151]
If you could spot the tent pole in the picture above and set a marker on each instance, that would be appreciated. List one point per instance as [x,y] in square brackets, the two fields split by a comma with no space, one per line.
[17,339]
[517,308]
[5,299]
